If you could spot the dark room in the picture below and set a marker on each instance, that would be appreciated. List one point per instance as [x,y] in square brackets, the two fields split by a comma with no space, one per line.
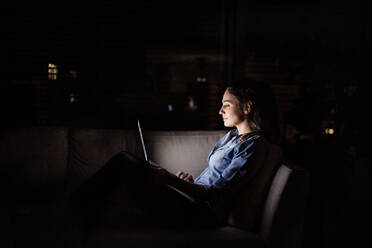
[223,123]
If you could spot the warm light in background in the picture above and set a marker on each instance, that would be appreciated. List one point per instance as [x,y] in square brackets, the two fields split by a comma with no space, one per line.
[52,71]
[73,74]
[329,131]
[328,127]
[74,97]
[192,104]
[201,79]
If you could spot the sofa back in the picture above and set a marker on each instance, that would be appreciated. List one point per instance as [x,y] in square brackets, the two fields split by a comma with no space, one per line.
[89,149]
[182,150]
[33,162]
[38,161]
[246,211]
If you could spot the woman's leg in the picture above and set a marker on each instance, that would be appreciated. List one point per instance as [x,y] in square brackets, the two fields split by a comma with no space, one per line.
[123,189]
[171,208]
[122,168]
[113,184]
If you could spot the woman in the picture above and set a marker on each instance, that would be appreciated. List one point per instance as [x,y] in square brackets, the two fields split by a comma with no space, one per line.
[145,191]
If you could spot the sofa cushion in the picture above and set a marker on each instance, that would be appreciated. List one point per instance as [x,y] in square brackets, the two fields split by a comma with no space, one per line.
[90,149]
[182,150]
[246,211]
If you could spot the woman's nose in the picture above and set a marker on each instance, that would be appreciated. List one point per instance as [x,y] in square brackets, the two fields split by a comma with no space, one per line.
[221,110]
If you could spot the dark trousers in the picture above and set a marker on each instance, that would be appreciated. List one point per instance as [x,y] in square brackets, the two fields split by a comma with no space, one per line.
[122,190]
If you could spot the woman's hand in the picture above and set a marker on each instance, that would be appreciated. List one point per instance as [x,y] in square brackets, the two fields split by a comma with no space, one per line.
[185,176]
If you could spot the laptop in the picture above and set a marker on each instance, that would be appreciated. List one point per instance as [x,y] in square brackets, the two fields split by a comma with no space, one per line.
[145,154]
[142,141]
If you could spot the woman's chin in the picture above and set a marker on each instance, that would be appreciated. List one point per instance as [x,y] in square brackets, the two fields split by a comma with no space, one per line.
[226,124]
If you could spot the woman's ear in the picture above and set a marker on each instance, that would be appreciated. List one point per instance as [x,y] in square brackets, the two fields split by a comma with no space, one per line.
[247,107]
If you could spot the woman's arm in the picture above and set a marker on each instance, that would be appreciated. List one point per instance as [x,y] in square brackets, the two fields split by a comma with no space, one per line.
[197,191]
[161,175]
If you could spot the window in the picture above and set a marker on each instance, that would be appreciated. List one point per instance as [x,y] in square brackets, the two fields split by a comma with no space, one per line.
[52,71]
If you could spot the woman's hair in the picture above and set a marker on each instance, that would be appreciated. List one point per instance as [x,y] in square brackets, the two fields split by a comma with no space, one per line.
[263,115]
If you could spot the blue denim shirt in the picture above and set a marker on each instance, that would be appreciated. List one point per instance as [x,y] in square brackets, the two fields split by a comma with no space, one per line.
[232,163]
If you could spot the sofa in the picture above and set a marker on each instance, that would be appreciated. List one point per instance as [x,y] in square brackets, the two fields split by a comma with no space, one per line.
[41,166]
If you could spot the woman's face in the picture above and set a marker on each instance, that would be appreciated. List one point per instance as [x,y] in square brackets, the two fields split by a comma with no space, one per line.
[231,110]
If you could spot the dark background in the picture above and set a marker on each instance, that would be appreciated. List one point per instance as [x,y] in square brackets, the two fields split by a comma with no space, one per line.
[145,60]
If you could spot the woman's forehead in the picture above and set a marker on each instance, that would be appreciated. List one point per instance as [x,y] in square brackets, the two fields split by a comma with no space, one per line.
[228,97]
